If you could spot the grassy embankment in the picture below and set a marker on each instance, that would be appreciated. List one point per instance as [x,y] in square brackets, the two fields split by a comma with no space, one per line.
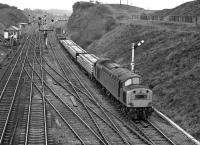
[168,60]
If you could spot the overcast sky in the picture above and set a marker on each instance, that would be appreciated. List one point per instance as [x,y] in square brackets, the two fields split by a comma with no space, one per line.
[67,4]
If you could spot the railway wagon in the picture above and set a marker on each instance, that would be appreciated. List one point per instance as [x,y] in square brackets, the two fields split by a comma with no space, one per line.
[125,86]
[87,61]
[73,49]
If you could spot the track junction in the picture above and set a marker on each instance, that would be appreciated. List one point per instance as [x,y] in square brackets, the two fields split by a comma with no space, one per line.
[46,99]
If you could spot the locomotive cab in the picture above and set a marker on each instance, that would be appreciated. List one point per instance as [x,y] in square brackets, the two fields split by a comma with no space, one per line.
[137,98]
[135,94]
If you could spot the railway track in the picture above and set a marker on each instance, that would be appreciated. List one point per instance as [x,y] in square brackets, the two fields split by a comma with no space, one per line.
[62,87]
[61,108]
[153,133]
[145,128]
[24,122]
[98,113]
[85,133]
[36,123]
[173,133]
[81,111]
[150,132]
[100,120]
[9,97]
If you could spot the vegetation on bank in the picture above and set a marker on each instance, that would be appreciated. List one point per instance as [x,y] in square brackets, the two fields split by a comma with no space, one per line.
[168,60]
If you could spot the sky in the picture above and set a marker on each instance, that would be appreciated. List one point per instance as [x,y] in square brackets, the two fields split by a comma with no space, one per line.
[67,4]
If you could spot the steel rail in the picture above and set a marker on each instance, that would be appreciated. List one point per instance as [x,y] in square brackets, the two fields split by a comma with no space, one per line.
[85,106]
[86,90]
[117,130]
[14,95]
[146,139]
[169,140]
[2,92]
[66,122]
[43,93]
[164,117]
[92,100]
[64,87]
[15,128]
[10,63]
[57,96]
[29,106]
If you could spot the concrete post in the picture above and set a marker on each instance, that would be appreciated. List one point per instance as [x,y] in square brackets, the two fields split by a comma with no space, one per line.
[132,60]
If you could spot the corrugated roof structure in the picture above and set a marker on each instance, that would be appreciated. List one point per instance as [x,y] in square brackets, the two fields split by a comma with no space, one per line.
[12,28]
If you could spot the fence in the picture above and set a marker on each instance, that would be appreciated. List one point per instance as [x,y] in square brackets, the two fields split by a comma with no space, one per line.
[179,19]
[185,19]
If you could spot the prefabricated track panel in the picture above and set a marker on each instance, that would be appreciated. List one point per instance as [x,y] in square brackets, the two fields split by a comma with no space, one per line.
[87,61]
[73,49]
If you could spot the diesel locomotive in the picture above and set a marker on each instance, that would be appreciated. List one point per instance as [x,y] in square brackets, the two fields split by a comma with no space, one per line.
[125,86]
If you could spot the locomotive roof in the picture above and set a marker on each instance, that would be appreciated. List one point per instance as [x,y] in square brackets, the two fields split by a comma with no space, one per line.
[122,73]
[108,63]
[132,86]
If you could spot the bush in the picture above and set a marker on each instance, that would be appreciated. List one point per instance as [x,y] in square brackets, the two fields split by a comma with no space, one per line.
[82,5]
[109,24]
[4,6]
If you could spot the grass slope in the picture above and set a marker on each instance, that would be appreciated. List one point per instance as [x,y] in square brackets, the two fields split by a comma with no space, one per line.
[190,8]
[169,62]
[10,16]
[89,21]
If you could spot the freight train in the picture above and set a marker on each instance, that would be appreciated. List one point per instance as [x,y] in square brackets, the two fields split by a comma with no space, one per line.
[126,87]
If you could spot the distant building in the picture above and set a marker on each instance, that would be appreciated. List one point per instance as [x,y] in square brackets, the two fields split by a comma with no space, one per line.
[22,25]
[12,34]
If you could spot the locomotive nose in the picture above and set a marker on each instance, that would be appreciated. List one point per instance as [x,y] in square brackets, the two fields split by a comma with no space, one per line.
[140,97]
[140,94]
